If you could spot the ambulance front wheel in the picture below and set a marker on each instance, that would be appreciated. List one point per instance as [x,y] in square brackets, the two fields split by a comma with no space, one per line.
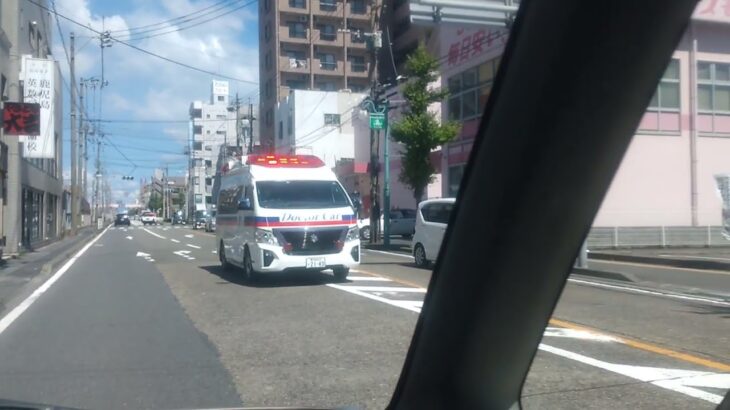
[341,273]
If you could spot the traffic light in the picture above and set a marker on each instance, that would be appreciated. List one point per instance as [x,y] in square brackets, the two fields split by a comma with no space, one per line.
[128,178]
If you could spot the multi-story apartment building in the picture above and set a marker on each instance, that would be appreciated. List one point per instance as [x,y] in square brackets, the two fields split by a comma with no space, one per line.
[311,45]
[31,183]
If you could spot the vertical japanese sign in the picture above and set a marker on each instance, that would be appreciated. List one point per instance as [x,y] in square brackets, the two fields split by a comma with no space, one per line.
[39,88]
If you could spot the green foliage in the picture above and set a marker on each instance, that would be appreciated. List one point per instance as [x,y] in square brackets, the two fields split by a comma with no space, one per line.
[155,202]
[418,130]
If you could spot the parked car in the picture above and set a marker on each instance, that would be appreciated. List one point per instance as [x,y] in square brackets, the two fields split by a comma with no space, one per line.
[431,220]
[210,222]
[149,218]
[199,219]
[402,223]
[121,219]
[177,219]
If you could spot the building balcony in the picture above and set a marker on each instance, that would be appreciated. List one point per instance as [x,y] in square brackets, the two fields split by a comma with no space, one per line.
[323,38]
[353,40]
[293,65]
[360,12]
[333,8]
[357,69]
[329,68]
[294,6]
[293,36]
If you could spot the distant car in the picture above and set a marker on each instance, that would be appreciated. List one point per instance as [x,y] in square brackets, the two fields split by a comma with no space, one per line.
[402,223]
[200,219]
[149,218]
[121,219]
[210,222]
[431,220]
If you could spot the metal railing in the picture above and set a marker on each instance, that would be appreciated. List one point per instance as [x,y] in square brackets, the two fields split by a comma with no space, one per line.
[656,236]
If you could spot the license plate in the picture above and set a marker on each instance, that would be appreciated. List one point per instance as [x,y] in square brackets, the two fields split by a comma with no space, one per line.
[315,263]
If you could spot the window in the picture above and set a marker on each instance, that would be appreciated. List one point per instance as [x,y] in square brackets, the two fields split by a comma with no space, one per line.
[198,198]
[357,6]
[208,148]
[357,63]
[267,32]
[197,129]
[356,87]
[332,119]
[469,91]
[295,54]
[208,163]
[289,127]
[267,5]
[455,174]
[328,5]
[221,116]
[220,133]
[327,61]
[298,4]
[208,181]
[228,200]
[268,88]
[296,85]
[281,130]
[666,96]
[268,61]
[197,145]
[327,32]
[198,162]
[221,98]
[301,194]
[207,115]
[297,30]
[196,180]
[713,87]
[208,199]
[197,113]
[437,213]
[326,86]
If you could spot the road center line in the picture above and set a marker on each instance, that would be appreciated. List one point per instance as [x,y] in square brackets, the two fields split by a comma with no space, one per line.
[152,233]
[193,246]
[27,302]
[175,240]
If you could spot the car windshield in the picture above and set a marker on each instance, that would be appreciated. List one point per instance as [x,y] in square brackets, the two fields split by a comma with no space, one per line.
[337,139]
[301,194]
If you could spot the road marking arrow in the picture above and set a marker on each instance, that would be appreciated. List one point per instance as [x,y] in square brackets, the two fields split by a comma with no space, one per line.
[129,237]
[188,236]
[146,256]
[184,254]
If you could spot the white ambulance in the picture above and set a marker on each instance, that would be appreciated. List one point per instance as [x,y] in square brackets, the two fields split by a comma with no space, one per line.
[285,212]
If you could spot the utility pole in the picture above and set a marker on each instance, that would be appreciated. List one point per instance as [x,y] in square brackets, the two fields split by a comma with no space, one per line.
[97,181]
[238,122]
[374,44]
[82,139]
[386,177]
[250,126]
[74,142]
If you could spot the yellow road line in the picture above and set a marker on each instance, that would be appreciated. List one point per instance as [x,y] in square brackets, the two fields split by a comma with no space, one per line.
[647,346]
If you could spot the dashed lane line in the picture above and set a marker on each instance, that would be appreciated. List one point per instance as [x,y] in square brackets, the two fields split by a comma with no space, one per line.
[175,240]
[669,295]
[402,255]
[154,234]
[192,246]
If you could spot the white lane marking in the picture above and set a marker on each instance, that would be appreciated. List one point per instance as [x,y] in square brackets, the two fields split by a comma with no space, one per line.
[369,278]
[387,289]
[188,236]
[184,254]
[579,334]
[402,255]
[680,381]
[129,237]
[214,251]
[146,256]
[711,258]
[165,229]
[192,246]
[152,233]
[14,314]
[374,297]
[676,380]
[175,240]
[651,292]
[177,227]
[130,228]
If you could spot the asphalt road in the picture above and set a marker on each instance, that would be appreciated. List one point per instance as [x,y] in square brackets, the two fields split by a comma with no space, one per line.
[146,318]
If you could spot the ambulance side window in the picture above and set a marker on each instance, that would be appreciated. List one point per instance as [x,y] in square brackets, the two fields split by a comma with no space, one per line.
[228,200]
[248,193]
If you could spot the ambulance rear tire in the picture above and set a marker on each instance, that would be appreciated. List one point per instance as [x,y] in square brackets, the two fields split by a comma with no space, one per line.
[222,257]
[341,273]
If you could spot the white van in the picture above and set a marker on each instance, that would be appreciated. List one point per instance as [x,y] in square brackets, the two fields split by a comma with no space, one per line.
[431,221]
[284,212]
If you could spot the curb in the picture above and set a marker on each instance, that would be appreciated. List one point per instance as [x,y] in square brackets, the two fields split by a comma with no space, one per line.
[678,263]
[622,277]
[48,267]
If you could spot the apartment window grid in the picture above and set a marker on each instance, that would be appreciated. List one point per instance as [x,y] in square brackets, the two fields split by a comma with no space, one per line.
[327,32]
[357,64]
[298,4]
[297,29]
[470,89]
[357,7]
[713,88]
[332,119]
[328,5]
[666,97]
[327,61]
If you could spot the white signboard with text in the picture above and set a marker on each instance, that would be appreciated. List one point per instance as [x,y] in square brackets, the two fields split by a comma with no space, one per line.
[39,87]
[220,87]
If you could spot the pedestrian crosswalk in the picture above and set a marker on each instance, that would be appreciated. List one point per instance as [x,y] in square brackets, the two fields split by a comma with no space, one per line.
[384,290]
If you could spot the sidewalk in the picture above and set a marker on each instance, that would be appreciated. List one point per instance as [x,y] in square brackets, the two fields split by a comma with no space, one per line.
[692,258]
[20,276]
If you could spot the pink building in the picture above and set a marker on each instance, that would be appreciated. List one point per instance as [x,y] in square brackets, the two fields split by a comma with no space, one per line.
[675,172]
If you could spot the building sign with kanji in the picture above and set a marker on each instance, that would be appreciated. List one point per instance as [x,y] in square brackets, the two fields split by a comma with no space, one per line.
[463,46]
[22,119]
[39,88]
[713,10]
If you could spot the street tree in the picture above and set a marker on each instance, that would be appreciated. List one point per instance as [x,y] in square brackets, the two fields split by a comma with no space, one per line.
[155,201]
[419,131]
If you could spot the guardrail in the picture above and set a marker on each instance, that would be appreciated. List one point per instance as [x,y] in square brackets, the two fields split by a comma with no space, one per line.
[656,236]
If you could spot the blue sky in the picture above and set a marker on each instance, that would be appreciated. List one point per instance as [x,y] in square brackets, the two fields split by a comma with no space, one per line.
[144,88]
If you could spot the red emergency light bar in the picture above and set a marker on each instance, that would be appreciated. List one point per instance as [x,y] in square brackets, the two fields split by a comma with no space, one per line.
[286,161]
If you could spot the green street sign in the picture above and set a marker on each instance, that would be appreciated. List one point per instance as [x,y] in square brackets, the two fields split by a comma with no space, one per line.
[377,121]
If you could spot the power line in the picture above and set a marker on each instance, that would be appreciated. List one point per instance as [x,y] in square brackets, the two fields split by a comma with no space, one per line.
[170,21]
[132,46]
[135,36]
